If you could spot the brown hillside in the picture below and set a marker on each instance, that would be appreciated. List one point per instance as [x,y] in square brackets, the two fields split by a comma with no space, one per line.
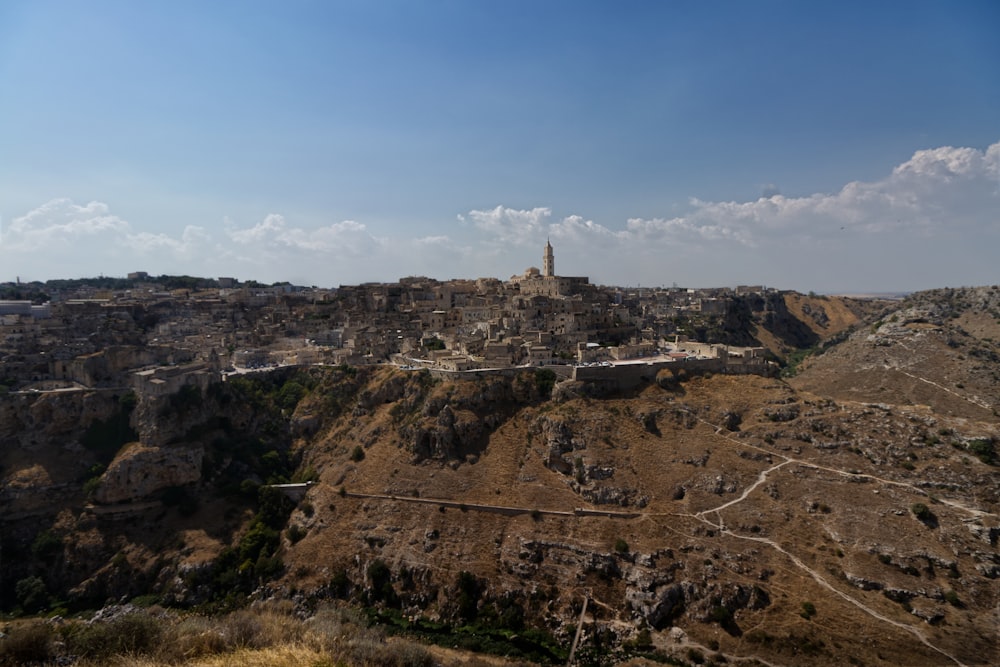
[937,349]
[826,316]
[740,502]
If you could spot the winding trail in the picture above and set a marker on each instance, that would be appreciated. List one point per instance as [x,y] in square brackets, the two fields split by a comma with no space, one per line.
[819,579]
[761,478]
[975,400]
[827,585]
[703,517]
[896,366]
[720,432]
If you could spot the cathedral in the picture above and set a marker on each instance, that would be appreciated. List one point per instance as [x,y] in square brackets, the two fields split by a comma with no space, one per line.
[546,282]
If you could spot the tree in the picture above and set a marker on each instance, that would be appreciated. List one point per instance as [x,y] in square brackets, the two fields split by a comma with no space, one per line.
[32,594]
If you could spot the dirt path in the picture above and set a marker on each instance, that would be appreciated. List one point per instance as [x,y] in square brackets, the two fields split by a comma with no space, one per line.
[816,576]
[703,516]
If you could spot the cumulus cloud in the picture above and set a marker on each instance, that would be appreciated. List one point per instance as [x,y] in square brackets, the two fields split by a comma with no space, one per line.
[948,163]
[937,212]
[192,241]
[934,205]
[61,225]
[61,222]
[576,228]
[932,193]
[517,226]
[272,226]
[347,238]
[89,239]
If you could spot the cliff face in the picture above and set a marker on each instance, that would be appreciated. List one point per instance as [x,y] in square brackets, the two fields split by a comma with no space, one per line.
[786,321]
[138,471]
[34,421]
[47,443]
[99,486]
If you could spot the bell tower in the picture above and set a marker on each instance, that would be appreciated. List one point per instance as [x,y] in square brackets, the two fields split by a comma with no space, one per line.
[548,261]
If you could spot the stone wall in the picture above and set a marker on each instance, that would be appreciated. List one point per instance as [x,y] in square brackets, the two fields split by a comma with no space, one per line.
[629,376]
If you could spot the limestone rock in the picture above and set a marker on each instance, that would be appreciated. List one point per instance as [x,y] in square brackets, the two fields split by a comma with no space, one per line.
[141,470]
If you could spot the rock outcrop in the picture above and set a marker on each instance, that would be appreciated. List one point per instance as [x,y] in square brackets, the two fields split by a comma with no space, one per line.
[140,470]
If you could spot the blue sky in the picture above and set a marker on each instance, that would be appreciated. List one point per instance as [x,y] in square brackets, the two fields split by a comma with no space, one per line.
[828,146]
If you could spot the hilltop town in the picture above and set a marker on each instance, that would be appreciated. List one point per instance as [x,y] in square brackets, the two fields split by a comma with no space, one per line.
[156,334]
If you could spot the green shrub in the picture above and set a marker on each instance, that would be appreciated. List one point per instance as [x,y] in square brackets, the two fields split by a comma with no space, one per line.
[91,485]
[545,380]
[720,614]
[46,546]
[32,594]
[259,540]
[290,394]
[621,546]
[983,450]
[340,584]
[357,454]
[808,610]
[922,512]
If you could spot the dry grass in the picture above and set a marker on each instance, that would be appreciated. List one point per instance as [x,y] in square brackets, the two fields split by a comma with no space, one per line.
[271,635]
[279,656]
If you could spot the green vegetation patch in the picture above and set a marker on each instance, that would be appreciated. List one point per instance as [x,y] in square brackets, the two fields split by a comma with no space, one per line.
[983,449]
[534,645]
[545,380]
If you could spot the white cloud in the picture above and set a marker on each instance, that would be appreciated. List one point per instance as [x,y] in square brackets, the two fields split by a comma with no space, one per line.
[273,225]
[60,222]
[897,230]
[342,239]
[932,220]
[576,228]
[932,193]
[517,226]
[433,241]
[192,241]
[948,163]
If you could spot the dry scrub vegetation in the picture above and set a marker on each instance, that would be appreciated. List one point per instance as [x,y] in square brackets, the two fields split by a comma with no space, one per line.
[269,635]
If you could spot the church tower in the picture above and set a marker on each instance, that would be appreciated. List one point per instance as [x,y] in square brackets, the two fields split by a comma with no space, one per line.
[548,261]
